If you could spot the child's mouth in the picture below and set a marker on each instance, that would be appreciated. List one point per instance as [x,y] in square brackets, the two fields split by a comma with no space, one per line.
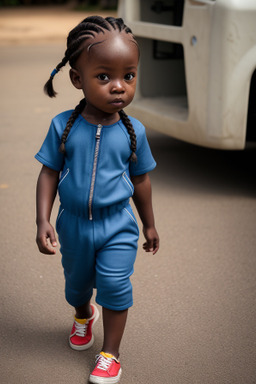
[117,102]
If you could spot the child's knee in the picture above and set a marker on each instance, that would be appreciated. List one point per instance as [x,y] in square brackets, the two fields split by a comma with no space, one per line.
[114,292]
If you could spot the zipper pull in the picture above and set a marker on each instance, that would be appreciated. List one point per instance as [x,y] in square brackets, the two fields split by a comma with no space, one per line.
[99,128]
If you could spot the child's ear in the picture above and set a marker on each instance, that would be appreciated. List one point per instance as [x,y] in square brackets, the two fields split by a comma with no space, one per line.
[75,78]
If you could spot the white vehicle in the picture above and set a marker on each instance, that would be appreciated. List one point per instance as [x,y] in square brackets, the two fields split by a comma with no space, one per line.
[197,76]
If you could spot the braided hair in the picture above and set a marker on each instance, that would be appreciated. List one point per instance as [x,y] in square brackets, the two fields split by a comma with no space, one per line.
[86,29]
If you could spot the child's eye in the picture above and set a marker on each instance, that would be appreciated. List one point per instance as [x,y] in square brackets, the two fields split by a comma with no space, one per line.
[129,76]
[103,77]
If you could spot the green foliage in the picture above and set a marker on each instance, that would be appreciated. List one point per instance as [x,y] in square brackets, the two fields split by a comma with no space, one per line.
[80,4]
[12,3]
[9,3]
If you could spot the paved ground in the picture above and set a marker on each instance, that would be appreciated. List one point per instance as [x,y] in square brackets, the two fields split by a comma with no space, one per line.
[39,24]
[195,302]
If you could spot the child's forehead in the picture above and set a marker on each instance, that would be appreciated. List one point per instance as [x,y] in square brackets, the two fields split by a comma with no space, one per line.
[111,43]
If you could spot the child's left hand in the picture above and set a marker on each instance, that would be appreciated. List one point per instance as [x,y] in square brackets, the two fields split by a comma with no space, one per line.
[152,240]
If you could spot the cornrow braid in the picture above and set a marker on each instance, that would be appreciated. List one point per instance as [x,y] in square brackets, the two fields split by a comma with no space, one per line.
[118,23]
[78,109]
[87,29]
[128,125]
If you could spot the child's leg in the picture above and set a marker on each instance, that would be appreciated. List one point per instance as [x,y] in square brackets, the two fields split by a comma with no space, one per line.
[81,337]
[117,237]
[113,324]
[84,311]
[114,266]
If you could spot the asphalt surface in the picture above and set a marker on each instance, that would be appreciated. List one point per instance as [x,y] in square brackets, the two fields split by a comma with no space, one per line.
[193,320]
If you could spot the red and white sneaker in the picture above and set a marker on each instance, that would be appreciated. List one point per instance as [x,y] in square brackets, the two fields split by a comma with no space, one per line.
[81,337]
[107,370]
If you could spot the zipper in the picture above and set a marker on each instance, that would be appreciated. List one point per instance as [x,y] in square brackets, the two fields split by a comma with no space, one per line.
[95,161]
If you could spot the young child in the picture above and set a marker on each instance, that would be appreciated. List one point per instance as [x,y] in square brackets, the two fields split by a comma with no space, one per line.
[97,158]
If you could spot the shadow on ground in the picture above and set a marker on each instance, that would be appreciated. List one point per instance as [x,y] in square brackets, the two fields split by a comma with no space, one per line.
[187,167]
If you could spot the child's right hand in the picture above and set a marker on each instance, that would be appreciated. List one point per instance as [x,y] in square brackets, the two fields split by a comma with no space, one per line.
[45,238]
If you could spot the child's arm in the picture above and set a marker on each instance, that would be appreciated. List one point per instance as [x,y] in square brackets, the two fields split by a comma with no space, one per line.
[143,201]
[47,185]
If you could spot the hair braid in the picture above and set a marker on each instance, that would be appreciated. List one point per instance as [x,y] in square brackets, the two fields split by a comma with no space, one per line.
[48,88]
[78,109]
[125,119]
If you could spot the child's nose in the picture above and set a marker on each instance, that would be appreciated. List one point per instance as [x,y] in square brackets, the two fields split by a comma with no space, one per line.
[118,86]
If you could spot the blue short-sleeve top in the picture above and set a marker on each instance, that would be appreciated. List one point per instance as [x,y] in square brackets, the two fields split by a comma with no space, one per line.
[112,183]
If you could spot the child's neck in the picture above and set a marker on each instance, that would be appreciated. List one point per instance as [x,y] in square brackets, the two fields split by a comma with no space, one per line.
[101,118]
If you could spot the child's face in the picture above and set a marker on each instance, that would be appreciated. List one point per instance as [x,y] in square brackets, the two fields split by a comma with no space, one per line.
[106,71]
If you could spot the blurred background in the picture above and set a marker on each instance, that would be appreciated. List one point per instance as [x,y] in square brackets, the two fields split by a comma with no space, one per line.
[78,4]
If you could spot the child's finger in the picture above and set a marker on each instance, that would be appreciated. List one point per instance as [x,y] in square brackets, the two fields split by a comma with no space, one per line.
[47,247]
[53,239]
[148,246]
[156,247]
[46,244]
[151,246]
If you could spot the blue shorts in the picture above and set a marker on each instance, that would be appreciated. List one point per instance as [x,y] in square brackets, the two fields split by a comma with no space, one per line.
[101,254]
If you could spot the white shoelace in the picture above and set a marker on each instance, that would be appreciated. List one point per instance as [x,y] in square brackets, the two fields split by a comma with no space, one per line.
[81,329]
[103,362]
